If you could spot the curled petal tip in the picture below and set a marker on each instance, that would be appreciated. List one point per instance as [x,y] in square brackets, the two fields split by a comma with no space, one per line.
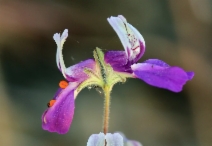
[122,18]
[56,37]
[190,75]
[64,34]
[59,38]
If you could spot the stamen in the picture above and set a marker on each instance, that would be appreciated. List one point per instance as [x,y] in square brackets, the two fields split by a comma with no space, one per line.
[63,84]
[51,103]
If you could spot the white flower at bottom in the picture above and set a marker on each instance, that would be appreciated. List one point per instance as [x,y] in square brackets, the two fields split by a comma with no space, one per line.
[116,139]
[111,139]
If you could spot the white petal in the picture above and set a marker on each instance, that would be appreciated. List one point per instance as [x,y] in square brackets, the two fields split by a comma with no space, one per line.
[114,139]
[64,36]
[131,39]
[59,57]
[128,142]
[56,37]
[96,140]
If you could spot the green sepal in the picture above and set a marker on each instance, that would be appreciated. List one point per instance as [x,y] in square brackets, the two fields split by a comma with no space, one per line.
[103,76]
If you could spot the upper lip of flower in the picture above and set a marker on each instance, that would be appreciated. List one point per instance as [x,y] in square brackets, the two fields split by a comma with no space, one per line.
[132,41]
[113,67]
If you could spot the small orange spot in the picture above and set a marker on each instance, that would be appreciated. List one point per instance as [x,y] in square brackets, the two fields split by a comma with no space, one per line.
[51,103]
[63,84]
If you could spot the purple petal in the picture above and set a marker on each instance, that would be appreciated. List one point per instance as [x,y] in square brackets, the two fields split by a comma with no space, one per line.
[190,75]
[57,93]
[131,39]
[158,73]
[128,142]
[58,117]
[156,62]
[76,72]
[96,140]
[132,143]
[118,60]
[116,57]
[114,139]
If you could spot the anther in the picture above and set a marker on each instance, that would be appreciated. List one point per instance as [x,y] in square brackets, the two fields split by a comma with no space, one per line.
[63,84]
[51,103]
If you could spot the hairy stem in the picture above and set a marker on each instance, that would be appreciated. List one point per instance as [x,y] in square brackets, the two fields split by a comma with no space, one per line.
[106,109]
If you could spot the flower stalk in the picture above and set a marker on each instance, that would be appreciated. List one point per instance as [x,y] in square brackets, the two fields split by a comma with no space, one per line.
[106,109]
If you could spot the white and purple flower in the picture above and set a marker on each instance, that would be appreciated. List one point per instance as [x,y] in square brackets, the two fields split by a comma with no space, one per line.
[116,139]
[104,71]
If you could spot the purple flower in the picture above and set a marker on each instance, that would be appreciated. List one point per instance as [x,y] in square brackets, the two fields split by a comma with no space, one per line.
[152,71]
[60,112]
[104,71]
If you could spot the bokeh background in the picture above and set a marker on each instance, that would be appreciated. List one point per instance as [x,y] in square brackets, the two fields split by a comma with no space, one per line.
[178,32]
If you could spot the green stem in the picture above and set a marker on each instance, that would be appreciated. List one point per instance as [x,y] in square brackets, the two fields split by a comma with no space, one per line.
[106,109]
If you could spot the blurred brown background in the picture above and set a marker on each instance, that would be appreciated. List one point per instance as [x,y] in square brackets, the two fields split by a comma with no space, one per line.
[178,32]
